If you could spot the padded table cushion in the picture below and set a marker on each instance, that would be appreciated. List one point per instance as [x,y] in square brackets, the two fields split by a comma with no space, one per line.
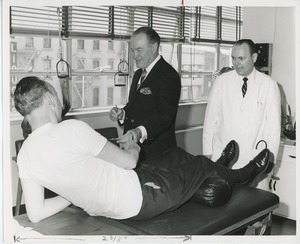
[246,205]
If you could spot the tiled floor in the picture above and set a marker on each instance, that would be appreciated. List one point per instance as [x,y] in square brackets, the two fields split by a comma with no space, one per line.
[283,226]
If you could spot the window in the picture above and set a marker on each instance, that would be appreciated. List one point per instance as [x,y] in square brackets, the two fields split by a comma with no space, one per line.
[47,64]
[24,59]
[29,42]
[110,63]
[110,96]
[96,64]
[195,40]
[47,42]
[110,45]
[96,44]
[96,70]
[198,64]
[96,96]
[80,44]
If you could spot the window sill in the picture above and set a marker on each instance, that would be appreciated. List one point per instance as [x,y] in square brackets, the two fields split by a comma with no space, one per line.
[200,102]
[88,111]
[16,117]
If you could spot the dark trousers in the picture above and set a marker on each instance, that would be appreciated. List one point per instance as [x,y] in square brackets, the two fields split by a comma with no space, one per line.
[166,187]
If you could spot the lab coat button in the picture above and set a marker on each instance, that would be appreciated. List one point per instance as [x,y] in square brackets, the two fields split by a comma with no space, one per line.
[132,121]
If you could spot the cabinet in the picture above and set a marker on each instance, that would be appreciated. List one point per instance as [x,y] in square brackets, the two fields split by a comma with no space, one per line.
[283,181]
[264,58]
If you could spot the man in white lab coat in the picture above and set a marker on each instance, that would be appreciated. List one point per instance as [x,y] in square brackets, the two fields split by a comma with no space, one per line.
[244,105]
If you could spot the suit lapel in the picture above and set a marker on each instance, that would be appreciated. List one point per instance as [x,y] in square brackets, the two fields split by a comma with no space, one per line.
[133,89]
[151,77]
[134,92]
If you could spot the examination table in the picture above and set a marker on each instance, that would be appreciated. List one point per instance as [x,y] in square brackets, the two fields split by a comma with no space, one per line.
[248,207]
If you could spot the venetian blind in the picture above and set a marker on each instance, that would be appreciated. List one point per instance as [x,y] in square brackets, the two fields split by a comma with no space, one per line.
[86,21]
[173,23]
[217,24]
[231,26]
[38,20]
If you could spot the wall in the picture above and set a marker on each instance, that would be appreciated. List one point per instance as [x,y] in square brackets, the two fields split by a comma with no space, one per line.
[276,25]
[259,24]
[284,55]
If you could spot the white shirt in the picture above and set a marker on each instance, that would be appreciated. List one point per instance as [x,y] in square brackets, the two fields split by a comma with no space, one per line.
[62,158]
[247,120]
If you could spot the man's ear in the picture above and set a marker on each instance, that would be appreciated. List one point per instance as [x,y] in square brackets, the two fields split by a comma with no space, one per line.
[155,47]
[254,57]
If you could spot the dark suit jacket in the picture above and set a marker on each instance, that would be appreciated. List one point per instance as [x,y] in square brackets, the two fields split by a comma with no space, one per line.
[154,105]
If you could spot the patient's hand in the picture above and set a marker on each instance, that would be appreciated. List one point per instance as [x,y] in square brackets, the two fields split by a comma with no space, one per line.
[128,144]
[124,138]
[134,134]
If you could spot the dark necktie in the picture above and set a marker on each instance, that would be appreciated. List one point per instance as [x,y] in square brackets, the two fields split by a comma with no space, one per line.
[144,73]
[244,87]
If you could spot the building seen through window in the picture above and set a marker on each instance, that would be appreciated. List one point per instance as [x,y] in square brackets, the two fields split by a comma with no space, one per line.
[93,68]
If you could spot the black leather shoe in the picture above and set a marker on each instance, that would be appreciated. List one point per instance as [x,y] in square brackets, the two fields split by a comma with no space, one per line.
[229,154]
[259,165]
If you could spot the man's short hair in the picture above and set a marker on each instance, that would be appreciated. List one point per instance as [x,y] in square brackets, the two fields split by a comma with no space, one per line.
[29,94]
[152,35]
[249,42]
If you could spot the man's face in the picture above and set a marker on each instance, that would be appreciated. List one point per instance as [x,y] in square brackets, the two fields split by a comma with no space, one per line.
[143,51]
[242,60]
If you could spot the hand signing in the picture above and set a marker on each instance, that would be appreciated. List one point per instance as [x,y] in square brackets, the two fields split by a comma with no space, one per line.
[116,113]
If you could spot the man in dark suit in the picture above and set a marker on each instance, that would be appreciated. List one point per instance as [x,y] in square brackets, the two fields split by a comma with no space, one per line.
[150,114]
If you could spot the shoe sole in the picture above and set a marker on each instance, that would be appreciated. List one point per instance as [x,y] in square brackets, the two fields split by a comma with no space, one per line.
[236,156]
[266,171]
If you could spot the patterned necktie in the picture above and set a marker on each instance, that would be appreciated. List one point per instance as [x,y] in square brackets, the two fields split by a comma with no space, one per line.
[244,87]
[144,73]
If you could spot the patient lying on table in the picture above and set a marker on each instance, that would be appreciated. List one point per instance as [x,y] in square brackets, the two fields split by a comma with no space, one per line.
[83,168]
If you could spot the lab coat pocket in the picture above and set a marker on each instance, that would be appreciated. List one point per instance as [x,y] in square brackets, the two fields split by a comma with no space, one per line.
[257,116]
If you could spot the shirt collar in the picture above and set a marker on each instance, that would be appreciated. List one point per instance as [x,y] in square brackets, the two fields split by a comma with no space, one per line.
[41,129]
[250,77]
[150,66]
